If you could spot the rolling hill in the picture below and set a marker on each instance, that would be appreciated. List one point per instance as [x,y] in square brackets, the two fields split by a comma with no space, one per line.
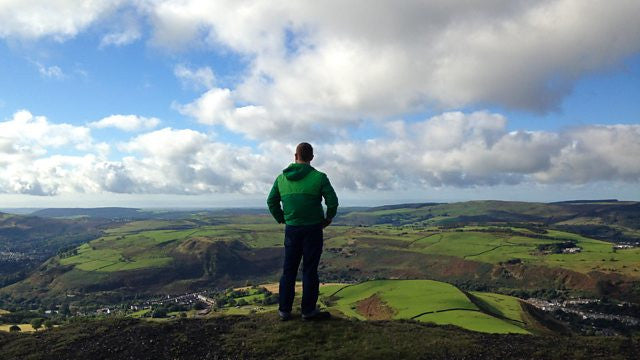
[428,301]
[484,246]
[27,241]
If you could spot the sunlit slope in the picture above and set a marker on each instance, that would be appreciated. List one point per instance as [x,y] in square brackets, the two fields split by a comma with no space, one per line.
[491,245]
[171,256]
[421,300]
[126,249]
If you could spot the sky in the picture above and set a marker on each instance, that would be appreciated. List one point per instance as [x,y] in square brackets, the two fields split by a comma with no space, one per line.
[199,103]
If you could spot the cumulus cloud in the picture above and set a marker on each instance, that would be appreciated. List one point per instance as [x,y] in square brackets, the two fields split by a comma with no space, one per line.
[453,149]
[312,71]
[195,78]
[125,29]
[26,146]
[60,19]
[126,122]
[317,68]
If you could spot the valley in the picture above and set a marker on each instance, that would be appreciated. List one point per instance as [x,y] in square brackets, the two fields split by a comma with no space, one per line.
[475,265]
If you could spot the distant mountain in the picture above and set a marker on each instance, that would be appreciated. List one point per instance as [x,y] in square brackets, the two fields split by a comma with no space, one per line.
[609,220]
[104,213]
[19,211]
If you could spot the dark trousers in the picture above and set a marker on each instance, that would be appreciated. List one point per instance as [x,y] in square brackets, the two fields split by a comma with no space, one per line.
[301,242]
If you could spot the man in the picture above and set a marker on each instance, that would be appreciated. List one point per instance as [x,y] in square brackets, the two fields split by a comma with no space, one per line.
[301,188]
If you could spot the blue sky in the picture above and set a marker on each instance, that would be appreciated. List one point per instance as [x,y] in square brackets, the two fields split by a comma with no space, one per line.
[200,103]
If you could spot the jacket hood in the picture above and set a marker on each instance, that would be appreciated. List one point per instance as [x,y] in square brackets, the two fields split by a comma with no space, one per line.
[297,171]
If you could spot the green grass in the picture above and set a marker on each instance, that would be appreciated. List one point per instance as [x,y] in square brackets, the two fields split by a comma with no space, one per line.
[109,260]
[445,304]
[473,320]
[495,247]
[504,305]
[140,313]
[131,247]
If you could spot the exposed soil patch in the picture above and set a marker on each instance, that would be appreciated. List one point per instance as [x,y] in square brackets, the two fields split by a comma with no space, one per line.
[373,308]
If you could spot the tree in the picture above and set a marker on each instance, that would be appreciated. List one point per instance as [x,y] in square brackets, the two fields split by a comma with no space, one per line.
[159,313]
[14,328]
[64,309]
[37,323]
[48,324]
[199,306]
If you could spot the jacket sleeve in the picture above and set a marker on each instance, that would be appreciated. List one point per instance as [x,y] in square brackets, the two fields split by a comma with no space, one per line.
[330,198]
[273,202]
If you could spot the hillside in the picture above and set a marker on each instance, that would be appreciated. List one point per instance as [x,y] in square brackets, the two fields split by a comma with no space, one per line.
[263,336]
[486,246]
[608,220]
[27,241]
[428,301]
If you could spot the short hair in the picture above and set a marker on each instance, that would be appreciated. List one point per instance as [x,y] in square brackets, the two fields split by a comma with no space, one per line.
[304,151]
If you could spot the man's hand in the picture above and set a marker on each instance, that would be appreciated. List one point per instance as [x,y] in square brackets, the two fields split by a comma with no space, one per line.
[326,223]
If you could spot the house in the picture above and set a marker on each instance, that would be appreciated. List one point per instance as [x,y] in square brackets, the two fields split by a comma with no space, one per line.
[207,300]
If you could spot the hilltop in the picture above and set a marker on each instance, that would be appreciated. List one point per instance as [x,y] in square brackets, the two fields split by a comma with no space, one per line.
[263,336]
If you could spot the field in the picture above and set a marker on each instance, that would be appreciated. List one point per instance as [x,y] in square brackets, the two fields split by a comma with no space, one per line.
[124,249]
[488,245]
[426,301]
[131,247]
[491,245]
[23,328]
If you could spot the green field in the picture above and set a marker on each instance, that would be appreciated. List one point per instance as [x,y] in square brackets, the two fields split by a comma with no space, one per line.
[132,248]
[494,247]
[422,300]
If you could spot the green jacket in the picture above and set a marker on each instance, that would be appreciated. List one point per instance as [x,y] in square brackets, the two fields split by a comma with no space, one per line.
[301,188]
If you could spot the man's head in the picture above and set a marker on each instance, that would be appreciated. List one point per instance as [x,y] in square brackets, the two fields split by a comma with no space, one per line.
[304,153]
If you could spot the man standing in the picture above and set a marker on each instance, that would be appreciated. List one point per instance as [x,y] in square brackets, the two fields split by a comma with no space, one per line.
[301,188]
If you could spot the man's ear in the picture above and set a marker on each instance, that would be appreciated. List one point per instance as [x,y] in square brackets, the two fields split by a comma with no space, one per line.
[295,156]
[311,158]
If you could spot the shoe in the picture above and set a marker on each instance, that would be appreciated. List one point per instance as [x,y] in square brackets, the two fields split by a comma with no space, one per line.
[284,315]
[316,315]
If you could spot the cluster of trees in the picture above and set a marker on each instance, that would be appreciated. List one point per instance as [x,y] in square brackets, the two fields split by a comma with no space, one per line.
[163,311]
[235,297]
[555,248]
[68,252]
[22,317]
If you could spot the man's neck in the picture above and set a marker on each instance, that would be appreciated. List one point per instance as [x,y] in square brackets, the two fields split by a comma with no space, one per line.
[303,162]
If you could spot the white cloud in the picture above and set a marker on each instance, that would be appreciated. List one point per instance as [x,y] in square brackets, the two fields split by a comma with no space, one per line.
[120,38]
[29,132]
[313,69]
[454,150]
[53,72]
[126,122]
[125,29]
[320,68]
[217,106]
[195,78]
[61,19]
[26,144]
